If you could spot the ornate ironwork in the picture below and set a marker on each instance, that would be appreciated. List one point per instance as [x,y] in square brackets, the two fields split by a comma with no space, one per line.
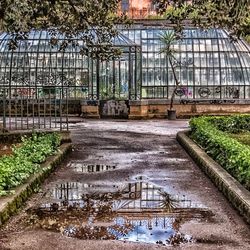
[183,63]
[204,92]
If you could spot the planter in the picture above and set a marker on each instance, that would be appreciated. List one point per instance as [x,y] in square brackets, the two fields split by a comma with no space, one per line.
[10,204]
[171,114]
[236,193]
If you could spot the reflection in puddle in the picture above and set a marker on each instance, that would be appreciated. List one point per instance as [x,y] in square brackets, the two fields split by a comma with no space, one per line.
[140,178]
[90,168]
[138,212]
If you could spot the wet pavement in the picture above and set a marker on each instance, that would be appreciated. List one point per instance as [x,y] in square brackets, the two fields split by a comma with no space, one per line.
[127,185]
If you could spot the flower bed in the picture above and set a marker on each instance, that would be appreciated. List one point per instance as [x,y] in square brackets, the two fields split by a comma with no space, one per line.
[25,160]
[213,134]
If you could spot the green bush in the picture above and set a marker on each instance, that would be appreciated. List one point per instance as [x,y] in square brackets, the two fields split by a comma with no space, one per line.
[227,151]
[16,168]
[231,124]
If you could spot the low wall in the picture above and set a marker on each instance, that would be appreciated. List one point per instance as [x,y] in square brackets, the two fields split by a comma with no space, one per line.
[147,109]
[32,107]
[90,109]
[139,109]
[158,109]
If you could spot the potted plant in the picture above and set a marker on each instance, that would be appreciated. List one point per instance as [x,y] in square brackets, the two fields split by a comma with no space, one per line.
[168,39]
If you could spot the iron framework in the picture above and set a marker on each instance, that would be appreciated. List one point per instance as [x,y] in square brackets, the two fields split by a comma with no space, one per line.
[209,64]
[37,81]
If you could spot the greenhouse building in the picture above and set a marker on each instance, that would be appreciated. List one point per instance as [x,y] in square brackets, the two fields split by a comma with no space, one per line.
[213,71]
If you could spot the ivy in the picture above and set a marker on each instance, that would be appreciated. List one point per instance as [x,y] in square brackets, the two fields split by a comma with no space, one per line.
[16,168]
[212,133]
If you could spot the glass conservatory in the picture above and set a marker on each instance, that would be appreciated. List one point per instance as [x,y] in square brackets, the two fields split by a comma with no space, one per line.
[38,69]
[209,65]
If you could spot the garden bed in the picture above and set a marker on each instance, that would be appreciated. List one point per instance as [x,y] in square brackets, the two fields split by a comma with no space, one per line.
[236,194]
[26,159]
[225,140]
[34,160]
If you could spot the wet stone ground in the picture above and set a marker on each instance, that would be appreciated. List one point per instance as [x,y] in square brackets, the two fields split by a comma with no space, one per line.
[127,185]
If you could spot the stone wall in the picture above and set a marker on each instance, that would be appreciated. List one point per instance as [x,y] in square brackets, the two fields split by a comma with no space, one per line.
[147,109]
[158,109]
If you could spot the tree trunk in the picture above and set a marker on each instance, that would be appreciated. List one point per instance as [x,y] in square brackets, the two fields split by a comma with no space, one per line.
[176,84]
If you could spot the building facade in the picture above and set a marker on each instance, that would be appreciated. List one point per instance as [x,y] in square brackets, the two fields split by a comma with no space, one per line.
[137,8]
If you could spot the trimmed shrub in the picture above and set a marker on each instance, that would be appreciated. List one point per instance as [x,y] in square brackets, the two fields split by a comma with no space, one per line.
[231,124]
[227,151]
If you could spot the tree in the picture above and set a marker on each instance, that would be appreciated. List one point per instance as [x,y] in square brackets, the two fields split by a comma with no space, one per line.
[234,15]
[93,21]
[168,39]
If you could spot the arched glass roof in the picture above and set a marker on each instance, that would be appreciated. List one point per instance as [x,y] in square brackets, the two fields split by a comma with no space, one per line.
[209,64]
[36,38]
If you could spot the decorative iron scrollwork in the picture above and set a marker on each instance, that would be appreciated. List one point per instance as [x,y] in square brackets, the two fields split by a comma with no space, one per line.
[180,92]
[213,101]
[204,92]
[217,90]
[233,92]
[183,63]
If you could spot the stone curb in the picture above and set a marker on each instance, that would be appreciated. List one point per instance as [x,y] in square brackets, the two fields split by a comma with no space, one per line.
[9,205]
[237,195]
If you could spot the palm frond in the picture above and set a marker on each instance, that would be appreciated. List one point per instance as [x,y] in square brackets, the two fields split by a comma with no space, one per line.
[168,39]
[168,203]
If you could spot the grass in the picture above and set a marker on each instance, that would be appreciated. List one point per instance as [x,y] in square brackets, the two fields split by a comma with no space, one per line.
[242,137]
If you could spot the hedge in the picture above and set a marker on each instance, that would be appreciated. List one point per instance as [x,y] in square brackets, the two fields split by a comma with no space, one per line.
[227,151]
[231,124]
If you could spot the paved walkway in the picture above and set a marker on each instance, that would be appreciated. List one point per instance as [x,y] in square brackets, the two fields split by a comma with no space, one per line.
[143,161]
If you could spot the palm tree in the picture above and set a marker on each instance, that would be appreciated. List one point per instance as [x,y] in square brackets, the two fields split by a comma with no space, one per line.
[168,203]
[168,39]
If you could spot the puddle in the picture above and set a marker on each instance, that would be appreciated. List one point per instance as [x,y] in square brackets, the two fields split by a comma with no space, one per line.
[140,178]
[136,212]
[69,122]
[90,168]
[73,191]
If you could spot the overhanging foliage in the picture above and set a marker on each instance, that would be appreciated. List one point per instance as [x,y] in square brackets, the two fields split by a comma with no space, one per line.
[234,15]
[90,20]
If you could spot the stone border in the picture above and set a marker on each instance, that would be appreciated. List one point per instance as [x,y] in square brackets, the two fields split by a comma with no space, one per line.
[237,195]
[9,205]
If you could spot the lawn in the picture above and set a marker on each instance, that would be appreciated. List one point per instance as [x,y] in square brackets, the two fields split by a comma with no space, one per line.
[243,137]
